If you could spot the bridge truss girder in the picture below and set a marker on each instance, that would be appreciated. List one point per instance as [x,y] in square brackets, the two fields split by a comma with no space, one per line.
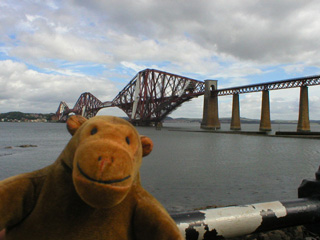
[151,95]
[62,111]
[87,105]
[283,84]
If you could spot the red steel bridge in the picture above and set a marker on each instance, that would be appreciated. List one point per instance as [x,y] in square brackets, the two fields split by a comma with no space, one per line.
[152,94]
[148,98]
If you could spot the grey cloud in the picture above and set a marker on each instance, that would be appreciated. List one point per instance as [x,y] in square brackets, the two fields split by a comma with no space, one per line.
[102,31]
[262,31]
[210,39]
[22,85]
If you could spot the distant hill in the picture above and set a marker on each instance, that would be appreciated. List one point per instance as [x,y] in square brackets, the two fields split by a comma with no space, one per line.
[20,116]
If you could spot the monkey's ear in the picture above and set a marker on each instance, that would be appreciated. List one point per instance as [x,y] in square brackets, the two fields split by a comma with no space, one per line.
[147,145]
[74,122]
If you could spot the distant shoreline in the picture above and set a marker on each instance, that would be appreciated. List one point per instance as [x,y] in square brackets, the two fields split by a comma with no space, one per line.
[228,120]
[50,117]
[26,117]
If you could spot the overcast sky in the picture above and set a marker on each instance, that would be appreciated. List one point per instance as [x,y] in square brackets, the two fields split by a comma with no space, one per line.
[55,50]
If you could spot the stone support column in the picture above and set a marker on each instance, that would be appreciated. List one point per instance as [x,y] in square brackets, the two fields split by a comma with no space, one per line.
[210,119]
[303,121]
[265,123]
[235,119]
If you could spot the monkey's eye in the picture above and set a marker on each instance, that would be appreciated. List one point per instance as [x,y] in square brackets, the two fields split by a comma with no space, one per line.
[94,131]
[128,140]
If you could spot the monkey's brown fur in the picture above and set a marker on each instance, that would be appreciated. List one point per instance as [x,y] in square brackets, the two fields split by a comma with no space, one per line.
[92,191]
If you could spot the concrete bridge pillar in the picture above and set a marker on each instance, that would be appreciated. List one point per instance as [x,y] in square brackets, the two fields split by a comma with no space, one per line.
[265,123]
[303,121]
[235,119]
[210,119]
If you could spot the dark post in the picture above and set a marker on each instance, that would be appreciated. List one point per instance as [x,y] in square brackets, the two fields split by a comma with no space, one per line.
[310,188]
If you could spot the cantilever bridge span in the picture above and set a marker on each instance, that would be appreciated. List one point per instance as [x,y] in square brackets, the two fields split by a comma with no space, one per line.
[148,98]
[152,94]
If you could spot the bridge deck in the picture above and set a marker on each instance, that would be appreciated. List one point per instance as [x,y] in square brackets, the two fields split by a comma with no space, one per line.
[275,85]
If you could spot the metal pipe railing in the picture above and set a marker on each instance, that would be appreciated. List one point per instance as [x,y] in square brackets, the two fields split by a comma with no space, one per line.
[235,221]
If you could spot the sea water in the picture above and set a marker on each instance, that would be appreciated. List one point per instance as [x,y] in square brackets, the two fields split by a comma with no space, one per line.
[187,169]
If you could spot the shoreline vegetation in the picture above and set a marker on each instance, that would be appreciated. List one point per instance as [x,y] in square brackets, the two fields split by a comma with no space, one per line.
[26,117]
[50,117]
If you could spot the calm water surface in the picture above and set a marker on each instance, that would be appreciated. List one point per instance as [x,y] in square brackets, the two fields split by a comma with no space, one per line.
[187,170]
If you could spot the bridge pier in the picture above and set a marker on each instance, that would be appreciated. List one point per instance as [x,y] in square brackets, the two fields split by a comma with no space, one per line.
[210,119]
[303,121]
[265,123]
[235,119]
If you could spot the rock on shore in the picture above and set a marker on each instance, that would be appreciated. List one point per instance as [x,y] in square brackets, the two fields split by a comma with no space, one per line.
[27,145]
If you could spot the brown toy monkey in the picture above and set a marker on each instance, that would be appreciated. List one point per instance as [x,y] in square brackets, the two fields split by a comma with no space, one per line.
[92,191]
